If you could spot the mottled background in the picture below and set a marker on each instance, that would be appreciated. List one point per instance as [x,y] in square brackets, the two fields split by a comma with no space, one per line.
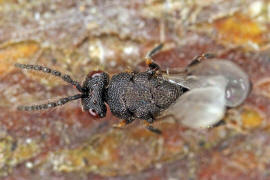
[114,35]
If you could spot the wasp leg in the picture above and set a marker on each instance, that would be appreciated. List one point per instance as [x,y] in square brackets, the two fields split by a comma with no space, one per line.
[166,116]
[184,71]
[153,67]
[154,130]
[132,79]
[151,128]
[219,123]
[123,123]
[154,51]
[201,57]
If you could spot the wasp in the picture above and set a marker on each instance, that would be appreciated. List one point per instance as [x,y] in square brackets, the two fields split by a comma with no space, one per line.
[196,96]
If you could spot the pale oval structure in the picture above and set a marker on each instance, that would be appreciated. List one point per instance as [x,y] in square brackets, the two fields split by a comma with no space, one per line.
[213,85]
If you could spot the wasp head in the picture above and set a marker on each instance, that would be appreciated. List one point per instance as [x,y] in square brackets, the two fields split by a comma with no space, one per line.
[94,88]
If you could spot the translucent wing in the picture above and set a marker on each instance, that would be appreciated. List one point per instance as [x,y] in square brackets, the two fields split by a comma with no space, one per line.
[213,84]
[202,107]
[238,86]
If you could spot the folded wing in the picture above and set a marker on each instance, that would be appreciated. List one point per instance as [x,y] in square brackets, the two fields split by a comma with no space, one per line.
[214,85]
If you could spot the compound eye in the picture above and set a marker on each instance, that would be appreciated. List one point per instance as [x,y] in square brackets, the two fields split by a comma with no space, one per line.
[94,73]
[93,113]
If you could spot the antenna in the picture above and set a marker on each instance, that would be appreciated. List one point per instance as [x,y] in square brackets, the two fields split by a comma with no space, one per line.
[56,73]
[48,105]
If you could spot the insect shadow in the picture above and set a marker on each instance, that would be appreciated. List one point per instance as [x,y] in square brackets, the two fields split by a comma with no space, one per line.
[196,96]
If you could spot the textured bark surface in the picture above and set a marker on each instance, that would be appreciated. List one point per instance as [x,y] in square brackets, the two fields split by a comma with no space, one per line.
[77,37]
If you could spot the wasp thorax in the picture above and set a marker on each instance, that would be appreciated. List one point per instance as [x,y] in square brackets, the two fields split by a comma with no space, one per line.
[94,87]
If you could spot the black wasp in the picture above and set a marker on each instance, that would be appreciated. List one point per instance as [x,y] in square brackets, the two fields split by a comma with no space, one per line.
[196,96]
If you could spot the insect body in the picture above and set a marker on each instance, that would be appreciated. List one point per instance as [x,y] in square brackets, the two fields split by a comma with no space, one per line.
[144,95]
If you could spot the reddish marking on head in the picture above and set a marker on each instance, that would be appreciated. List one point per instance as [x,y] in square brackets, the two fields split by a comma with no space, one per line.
[94,73]
[93,113]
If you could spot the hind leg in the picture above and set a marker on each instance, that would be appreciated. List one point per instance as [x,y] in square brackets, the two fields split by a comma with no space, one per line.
[201,57]
[150,127]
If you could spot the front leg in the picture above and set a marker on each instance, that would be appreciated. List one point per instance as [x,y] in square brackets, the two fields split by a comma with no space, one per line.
[153,67]
[123,123]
